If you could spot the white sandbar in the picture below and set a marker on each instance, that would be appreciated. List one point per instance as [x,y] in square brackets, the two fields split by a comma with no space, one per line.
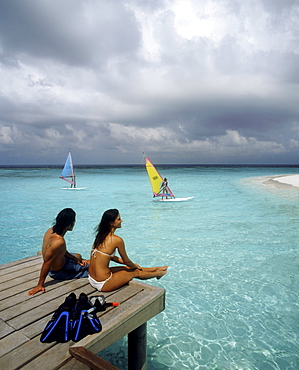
[288,180]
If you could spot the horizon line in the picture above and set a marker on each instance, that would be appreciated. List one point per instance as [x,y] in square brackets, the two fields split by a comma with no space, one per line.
[158,164]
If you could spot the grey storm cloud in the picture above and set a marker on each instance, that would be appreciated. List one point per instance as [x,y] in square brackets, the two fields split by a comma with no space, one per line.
[209,81]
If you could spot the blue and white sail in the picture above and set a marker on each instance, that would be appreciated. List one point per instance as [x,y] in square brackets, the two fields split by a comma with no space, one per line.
[67,173]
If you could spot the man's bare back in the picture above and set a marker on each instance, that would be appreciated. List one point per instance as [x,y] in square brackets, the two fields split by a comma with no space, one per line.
[54,249]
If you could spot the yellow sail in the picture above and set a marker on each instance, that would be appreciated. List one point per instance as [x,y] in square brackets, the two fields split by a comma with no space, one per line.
[154,176]
[156,180]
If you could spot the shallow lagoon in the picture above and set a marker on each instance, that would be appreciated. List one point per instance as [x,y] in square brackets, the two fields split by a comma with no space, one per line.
[232,286]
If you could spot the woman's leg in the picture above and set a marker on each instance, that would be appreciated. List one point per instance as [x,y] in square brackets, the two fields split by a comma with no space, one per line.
[122,275]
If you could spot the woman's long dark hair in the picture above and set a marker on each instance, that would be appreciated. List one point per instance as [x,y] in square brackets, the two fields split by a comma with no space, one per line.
[64,219]
[104,226]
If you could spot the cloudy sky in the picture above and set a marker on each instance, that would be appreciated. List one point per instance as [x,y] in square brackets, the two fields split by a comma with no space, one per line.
[185,81]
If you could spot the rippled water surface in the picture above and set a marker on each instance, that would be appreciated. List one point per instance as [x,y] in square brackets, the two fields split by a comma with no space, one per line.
[232,286]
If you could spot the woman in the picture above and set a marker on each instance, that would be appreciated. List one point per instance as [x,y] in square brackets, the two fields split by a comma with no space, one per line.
[105,278]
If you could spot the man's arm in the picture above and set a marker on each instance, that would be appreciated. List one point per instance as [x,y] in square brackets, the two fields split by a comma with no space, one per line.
[49,257]
[70,256]
[77,259]
[42,277]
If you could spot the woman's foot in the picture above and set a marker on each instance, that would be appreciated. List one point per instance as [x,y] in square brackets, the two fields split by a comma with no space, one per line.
[163,268]
[161,273]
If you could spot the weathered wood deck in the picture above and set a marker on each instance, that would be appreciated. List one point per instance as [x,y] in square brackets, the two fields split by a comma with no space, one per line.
[23,318]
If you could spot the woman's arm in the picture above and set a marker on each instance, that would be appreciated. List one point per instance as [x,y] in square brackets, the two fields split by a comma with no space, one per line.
[124,257]
[118,260]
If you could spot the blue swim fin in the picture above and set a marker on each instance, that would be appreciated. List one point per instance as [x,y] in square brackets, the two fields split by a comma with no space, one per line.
[85,320]
[59,328]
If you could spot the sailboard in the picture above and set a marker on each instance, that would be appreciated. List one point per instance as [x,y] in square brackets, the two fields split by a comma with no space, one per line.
[68,173]
[160,188]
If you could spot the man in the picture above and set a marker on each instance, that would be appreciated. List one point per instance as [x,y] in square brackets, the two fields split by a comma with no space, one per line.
[164,187]
[58,262]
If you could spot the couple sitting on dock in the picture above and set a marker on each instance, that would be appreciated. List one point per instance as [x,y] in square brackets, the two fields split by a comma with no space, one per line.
[62,265]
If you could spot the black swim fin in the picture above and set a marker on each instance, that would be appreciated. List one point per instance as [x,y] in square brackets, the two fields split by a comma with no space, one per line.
[85,320]
[59,328]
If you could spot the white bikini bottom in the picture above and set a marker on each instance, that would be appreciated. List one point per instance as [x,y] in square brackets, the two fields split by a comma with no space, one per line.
[98,284]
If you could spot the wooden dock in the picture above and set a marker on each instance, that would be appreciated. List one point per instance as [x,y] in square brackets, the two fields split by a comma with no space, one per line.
[23,318]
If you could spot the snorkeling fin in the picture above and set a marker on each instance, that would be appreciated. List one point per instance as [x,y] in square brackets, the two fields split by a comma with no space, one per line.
[59,328]
[85,320]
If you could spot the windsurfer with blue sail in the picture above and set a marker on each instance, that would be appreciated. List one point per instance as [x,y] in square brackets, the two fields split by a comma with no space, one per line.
[68,171]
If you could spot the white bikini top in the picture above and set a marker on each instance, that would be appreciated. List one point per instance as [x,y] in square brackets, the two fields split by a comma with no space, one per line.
[93,253]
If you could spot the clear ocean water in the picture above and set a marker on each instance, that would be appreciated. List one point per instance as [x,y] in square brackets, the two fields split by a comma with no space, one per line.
[233,255]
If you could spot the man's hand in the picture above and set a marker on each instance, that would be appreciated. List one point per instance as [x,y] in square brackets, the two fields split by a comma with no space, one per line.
[83,262]
[37,289]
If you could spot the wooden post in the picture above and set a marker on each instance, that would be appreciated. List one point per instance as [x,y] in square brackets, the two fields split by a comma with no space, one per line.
[137,348]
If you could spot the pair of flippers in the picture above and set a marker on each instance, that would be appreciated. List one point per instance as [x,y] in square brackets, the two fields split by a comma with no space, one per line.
[75,319]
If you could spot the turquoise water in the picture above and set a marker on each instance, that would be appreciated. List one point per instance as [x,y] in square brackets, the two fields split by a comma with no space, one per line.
[232,286]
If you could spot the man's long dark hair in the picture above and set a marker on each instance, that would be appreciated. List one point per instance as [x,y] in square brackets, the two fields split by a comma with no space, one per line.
[64,219]
[104,226]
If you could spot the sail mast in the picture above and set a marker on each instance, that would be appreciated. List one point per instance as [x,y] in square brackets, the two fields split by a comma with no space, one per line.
[73,173]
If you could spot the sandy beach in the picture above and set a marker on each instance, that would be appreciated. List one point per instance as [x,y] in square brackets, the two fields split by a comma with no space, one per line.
[283,181]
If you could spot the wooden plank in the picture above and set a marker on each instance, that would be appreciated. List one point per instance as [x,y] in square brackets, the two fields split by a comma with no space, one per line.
[16,284]
[20,269]
[5,329]
[12,341]
[29,311]
[23,302]
[9,297]
[90,359]
[38,326]
[57,354]
[18,262]
[19,273]
[60,357]
[74,364]
[23,317]
[12,296]
[129,316]
[23,354]
[53,358]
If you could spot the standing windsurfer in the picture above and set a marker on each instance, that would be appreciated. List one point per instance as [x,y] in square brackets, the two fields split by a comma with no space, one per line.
[164,187]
